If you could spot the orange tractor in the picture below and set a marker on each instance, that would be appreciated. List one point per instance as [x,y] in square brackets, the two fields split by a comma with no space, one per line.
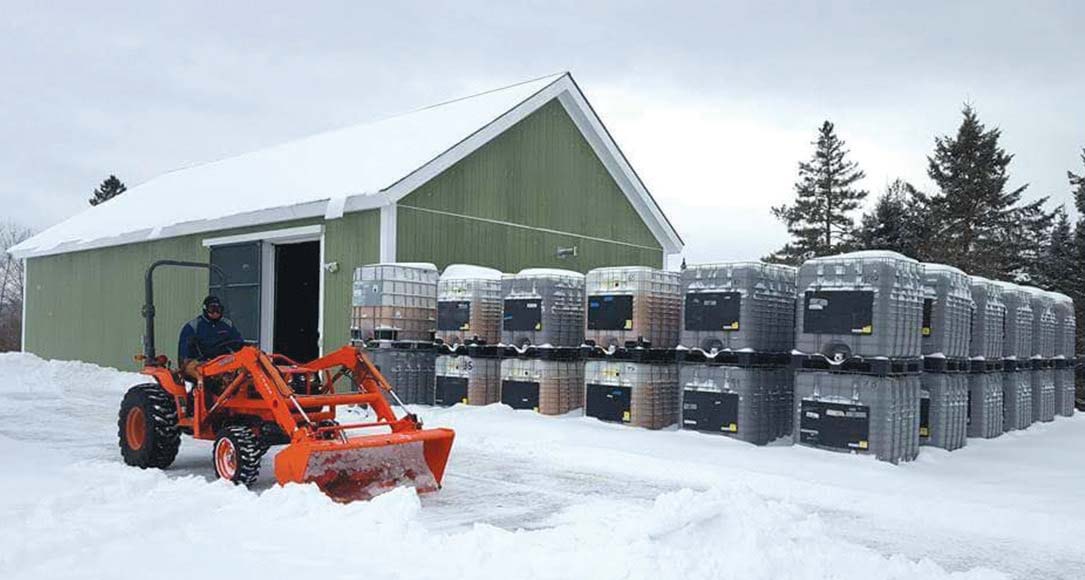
[247,401]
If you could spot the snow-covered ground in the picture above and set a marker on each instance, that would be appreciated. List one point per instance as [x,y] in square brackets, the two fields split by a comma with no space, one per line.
[530,497]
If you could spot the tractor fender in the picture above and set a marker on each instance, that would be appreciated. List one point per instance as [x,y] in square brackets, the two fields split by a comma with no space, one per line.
[165,379]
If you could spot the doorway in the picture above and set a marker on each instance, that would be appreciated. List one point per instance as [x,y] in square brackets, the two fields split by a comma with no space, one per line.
[296,307]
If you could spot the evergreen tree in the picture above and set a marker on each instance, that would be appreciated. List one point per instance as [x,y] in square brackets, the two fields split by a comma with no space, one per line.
[1058,269]
[110,188]
[819,221]
[1024,239]
[1077,185]
[975,212]
[899,221]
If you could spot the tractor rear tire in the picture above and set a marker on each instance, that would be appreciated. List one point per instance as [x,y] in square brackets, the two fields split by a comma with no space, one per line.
[147,427]
[237,454]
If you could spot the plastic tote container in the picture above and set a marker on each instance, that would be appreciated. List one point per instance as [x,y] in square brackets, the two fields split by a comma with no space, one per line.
[1065,325]
[1064,391]
[394,302]
[639,394]
[943,410]
[410,371]
[469,303]
[1044,323]
[738,306]
[1016,400]
[858,414]
[749,404]
[468,380]
[543,307]
[632,304]
[1017,344]
[1044,397]
[550,387]
[986,338]
[866,304]
[947,311]
[985,405]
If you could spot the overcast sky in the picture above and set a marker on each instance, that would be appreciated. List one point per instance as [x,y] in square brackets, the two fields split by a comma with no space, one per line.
[713,104]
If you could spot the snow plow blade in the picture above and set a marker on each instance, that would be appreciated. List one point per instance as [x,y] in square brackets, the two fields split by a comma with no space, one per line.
[363,467]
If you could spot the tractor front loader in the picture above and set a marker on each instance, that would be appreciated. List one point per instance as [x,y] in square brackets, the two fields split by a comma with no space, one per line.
[248,401]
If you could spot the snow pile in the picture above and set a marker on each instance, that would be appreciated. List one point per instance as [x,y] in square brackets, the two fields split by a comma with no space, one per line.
[528,496]
[90,517]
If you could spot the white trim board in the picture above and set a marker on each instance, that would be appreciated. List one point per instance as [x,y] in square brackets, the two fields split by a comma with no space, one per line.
[23,320]
[388,233]
[285,235]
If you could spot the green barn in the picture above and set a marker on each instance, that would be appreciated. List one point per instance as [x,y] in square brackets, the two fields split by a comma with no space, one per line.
[522,176]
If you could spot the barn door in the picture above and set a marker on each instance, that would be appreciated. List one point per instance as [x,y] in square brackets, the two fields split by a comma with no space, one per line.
[241,264]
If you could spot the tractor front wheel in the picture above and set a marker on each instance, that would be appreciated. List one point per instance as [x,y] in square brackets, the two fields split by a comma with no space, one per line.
[147,427]
[237,454]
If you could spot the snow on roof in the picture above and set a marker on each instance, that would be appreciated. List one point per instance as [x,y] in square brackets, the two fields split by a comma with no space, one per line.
[358,167]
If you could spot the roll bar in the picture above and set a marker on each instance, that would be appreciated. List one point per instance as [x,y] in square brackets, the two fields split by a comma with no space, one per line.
[148,299]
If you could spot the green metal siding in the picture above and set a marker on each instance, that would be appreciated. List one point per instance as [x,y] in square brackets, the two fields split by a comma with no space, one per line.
[540,173]
[445,240]
[86,305]
[352,241]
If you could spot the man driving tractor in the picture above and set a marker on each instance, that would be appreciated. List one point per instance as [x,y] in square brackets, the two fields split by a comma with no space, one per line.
[205,337]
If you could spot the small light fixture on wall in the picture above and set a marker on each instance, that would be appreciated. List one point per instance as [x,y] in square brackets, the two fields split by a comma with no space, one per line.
[566,252]
[331,267]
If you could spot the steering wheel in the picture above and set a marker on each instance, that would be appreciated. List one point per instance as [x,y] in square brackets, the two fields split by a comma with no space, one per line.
[230,344]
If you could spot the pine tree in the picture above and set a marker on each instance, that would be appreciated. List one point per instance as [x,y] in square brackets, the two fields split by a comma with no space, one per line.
[974,211]
[1058,269]
[819,221]
[899,222]
[1077,184]
[1024,239]
[110,188]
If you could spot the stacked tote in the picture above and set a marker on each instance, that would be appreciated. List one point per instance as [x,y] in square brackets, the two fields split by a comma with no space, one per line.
[737,334]
[1016,354]
[858,342]
[630,335]
[394,312]
[947,321]
[469,316]
[1064,353]
[985,417]
[543,328]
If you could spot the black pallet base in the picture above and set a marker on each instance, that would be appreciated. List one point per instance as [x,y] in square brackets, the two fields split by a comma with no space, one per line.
[735,359]
[946,365]
[1010,365]
[636,354]
[471,350]
[544,353]
[1064,363]
[485,351]
[401,344]
[383,335]
[1038,364]
[881,367]
[985,366]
